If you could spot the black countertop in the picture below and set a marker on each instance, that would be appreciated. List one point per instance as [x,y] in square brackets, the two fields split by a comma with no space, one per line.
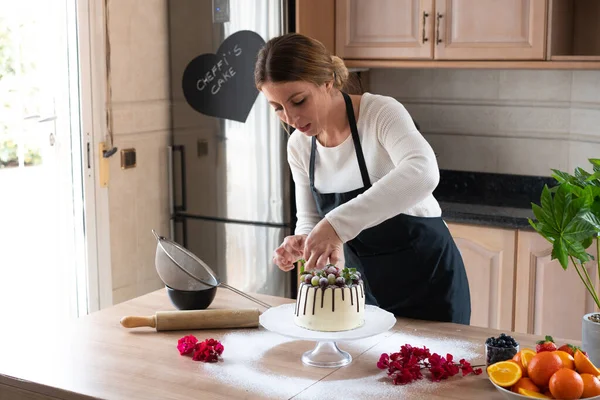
[493,216]
[495,200]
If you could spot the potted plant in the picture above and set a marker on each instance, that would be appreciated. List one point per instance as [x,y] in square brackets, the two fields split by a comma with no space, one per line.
[569,217]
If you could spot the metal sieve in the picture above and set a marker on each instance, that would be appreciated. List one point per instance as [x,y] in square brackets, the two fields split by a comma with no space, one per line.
[180,269]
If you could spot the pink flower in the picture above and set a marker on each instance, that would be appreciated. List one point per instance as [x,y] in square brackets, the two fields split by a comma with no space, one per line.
[186,344]
[207,351]
[406,365]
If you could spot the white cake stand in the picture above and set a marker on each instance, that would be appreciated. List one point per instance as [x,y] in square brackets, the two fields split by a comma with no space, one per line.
[326,353]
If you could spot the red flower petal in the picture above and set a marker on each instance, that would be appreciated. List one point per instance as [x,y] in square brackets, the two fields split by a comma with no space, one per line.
[406,365]
[186,344]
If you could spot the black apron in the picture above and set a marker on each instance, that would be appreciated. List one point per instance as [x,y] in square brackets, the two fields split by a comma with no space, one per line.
[410,265]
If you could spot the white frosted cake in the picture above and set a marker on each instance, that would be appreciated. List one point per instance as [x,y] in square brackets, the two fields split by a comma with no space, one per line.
[330,300]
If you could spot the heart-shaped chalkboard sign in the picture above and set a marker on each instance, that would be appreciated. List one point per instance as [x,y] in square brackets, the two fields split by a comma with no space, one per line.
[222,85]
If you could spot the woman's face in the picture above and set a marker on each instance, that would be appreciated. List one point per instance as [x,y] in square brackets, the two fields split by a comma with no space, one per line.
[301,104]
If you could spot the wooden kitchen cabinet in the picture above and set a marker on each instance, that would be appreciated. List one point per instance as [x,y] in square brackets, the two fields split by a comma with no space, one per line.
[441,30]
[490,29]
[573,30]
[384,29]
[316,18]
[489,258]
[549,300]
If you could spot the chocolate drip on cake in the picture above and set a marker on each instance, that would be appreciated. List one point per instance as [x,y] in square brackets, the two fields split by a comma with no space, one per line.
[322,296]
[351,299]
[305,299]
[357,302]
[333,300]
[343,294]
[299,300]
[361,290]
[314,301]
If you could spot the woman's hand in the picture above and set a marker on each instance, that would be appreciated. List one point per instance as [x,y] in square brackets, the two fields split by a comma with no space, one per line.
[322,246]
[289,252]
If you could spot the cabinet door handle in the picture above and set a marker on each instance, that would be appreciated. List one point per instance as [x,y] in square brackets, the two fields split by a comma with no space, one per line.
[437,31]
[425,15]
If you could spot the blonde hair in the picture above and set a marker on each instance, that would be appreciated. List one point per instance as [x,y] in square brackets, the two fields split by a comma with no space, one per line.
[295,57]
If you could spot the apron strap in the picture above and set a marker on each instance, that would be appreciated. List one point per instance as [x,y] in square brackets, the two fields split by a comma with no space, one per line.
[362,165]
[357,146]
[311,166]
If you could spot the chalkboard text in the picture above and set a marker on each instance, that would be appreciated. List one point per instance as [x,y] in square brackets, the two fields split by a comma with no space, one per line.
[221,72]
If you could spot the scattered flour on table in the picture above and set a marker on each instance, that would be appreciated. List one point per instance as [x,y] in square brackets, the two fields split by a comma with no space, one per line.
[242,365]
[378,385]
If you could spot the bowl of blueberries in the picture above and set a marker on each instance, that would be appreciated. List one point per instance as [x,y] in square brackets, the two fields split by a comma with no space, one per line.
[502,348]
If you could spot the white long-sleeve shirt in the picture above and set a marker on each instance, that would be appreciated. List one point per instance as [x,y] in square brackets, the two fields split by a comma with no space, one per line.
[402,168]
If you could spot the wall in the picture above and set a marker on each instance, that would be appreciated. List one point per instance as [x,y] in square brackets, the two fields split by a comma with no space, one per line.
[504,121]
[138,197]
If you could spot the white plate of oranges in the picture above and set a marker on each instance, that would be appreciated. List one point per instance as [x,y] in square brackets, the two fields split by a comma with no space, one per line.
[546,375]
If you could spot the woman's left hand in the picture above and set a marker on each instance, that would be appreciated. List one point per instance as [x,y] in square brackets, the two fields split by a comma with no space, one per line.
[322,246]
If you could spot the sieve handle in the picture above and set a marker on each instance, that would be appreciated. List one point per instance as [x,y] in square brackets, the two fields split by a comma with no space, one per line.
[254,299]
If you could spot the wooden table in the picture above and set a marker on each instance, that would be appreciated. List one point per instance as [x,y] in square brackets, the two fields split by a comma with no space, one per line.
[94,357]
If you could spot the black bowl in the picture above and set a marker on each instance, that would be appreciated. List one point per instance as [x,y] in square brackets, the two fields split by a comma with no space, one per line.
[191,299]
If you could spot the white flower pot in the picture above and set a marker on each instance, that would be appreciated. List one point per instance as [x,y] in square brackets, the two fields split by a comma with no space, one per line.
[590,339]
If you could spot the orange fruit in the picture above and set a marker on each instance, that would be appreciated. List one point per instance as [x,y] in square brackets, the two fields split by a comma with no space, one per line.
[591,386]
[542,366]
[584,365]
[525,383]
[527,356]
[548,394]
[522,358]
[566,384]
[535,395]
[567,359]
[517,359]
[504,373]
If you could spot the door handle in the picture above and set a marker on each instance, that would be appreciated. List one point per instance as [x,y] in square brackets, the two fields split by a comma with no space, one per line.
[425,15]
[437,30]
[183,206]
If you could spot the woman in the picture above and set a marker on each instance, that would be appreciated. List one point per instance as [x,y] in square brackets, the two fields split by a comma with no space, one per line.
[364,179]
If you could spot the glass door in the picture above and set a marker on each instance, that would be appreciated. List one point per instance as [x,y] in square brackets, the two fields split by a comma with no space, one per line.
[42,256]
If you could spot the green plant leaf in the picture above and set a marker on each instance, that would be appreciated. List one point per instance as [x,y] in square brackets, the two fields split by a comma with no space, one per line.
[576,250]
[595,163]
[587,243]
[548,208]
[594,176]
[578,229]
[535,225]
[549,233]
[592,219]
[561,203]
[562,177]
[574,189]
[560,253]
[538,212]
[581,175]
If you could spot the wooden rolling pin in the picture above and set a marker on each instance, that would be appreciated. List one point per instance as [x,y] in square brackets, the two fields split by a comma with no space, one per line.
[196,319]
